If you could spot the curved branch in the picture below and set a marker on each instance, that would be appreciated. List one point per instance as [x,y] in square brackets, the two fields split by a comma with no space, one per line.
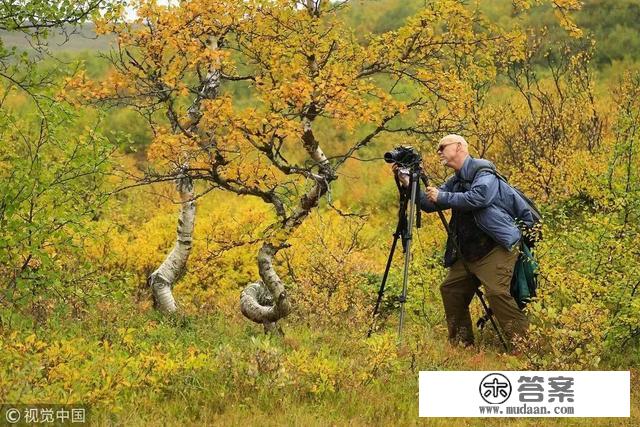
[164,277]
[266,301]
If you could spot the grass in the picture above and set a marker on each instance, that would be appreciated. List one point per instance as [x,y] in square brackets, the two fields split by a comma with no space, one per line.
[226,372]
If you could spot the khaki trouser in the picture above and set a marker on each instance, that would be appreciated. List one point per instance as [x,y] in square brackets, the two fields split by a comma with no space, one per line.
[494,271]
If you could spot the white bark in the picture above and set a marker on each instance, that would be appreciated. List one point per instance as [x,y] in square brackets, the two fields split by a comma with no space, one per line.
[266,301]
[316,152]
[162,280]
[209,88]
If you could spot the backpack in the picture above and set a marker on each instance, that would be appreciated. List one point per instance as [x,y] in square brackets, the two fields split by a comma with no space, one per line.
[524,282]
[530,235]
[535,212]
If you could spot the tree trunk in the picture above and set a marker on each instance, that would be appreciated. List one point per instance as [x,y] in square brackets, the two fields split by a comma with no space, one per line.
[162,280]
[266,301]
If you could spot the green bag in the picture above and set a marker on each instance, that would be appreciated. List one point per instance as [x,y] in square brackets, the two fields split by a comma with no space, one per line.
[524,282]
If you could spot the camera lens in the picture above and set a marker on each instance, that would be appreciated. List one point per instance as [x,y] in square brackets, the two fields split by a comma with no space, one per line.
[389,157]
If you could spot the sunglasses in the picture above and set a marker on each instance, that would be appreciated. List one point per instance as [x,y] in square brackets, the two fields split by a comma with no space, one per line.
[441,147]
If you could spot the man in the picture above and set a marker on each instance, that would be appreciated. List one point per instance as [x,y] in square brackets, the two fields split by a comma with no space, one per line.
[484,211]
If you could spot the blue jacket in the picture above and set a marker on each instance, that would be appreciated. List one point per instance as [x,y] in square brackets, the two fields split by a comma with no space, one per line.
[495,204]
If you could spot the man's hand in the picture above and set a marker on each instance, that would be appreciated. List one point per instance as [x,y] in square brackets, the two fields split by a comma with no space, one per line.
[404,178]
[432,194]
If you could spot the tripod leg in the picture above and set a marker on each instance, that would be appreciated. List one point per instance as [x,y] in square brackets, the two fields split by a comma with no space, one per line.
[400,227]
[492,320]
[384,279]
[407,254]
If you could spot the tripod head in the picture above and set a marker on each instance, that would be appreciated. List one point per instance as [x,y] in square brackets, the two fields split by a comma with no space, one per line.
[415,172]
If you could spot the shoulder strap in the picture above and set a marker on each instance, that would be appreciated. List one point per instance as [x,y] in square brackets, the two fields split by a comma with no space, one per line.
[534,209]
[475,172]
[475,166]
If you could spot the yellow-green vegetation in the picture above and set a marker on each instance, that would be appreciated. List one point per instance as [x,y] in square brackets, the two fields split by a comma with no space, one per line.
[82,226]
[135,368]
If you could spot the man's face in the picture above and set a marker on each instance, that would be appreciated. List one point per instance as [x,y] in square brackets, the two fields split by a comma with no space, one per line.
[448,150]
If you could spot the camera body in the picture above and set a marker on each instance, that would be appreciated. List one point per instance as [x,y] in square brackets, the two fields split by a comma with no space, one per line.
[405,156]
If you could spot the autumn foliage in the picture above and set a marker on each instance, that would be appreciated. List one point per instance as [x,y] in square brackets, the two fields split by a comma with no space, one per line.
[278,112]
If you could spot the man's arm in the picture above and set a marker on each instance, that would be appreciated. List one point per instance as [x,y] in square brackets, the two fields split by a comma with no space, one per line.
[427,205]
[482,192]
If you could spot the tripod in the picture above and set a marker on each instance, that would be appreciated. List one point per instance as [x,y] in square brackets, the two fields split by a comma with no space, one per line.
[404,229]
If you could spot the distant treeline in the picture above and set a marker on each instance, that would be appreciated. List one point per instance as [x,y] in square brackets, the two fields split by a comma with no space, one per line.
[613,24]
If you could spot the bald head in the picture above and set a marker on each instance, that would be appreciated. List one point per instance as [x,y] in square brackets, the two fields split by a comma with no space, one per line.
[453,149]
[456,138]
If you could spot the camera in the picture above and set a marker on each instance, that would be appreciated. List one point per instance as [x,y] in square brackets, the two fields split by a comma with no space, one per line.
[404,155]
